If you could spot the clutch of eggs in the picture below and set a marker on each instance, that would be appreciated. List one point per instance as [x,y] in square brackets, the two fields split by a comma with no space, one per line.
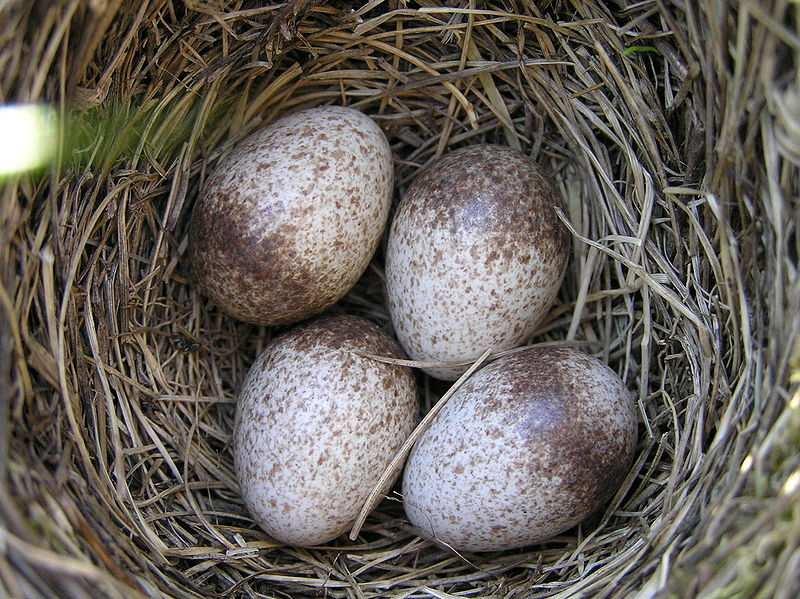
[527,448]
[290,219]
[475,256]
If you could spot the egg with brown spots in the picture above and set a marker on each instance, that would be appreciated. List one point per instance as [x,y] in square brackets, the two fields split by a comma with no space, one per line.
[289,221]
[527,448]
[316,424]
[475,256]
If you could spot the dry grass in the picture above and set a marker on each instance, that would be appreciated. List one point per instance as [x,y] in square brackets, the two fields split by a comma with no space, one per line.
[673,127]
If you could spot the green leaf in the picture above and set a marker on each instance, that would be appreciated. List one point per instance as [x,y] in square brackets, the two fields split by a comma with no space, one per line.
[632,50]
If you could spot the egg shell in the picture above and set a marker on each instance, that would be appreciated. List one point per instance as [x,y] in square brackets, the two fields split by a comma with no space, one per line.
[527,448]
[290,219]
[317,424]
[475,257]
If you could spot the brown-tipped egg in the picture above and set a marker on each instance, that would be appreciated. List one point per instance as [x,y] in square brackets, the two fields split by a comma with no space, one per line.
[527,448]
[475,256]
[289,221]
[316,424]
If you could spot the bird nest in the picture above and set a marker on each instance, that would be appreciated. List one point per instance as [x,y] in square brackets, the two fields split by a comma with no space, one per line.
[672,129]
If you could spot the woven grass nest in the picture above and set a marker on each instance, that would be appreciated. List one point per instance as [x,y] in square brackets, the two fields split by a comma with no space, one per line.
[672,127]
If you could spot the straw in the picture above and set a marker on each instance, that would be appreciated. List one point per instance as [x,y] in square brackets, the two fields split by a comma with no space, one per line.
[672,130]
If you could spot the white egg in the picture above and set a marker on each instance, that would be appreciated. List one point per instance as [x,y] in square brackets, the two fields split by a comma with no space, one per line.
[316,425]
[525,449]
[475,257]
[289,220]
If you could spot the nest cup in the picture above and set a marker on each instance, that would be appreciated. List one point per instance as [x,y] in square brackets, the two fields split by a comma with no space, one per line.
[671,129]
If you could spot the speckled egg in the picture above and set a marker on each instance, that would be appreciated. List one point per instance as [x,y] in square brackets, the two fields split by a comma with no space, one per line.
[289,221]
[475,257]
[316,424]
[528,447]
